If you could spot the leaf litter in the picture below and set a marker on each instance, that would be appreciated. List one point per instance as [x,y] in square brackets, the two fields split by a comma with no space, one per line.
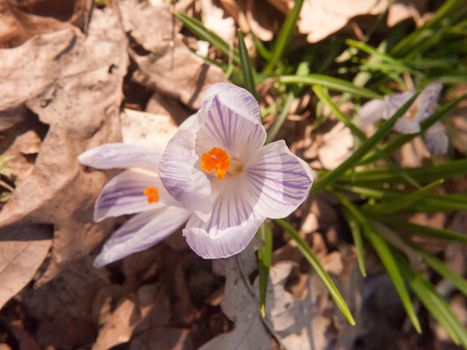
[63,82]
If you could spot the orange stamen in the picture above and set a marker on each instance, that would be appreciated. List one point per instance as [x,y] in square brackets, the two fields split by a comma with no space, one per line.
[152,194]
[217,160]
[412,113]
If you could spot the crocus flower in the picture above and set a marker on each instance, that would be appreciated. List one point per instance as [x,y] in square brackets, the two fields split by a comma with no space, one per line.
[215,172]
[423,107]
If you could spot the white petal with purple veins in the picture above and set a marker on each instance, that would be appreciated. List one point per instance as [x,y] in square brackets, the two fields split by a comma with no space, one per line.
[236,98]
[436,139]
[279,179]
[226,129]
[124,194]
[141,232]
[120,155]
[233,222]
[225,243]
[182,180]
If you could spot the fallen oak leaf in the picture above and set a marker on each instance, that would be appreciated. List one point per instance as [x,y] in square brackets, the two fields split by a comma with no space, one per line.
[165,63]
[22,251]
[74,84]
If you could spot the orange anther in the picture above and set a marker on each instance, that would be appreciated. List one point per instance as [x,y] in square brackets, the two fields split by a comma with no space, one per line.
[412,113]
[217,160]
[152,194]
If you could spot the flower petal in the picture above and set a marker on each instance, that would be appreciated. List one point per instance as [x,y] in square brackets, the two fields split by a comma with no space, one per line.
[225,128]
[120,155]
[225,243]
[371,112]
[436,139]
[279,179]
[236,98]
[141,232]
[124,194]
[428,100]
[182,180]
[233,222]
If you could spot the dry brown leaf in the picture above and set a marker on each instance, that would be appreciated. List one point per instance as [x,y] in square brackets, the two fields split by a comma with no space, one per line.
[213,18]
[255,16]
[164,62]
[64,307]
[337,146]
[22,251]
[147,129]
[240,305]
[321,18]
[300,323]
[118,327]
[74,84]
[21,20]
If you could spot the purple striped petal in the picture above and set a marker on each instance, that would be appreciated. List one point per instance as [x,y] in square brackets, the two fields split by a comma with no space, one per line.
[224,243]
[225,128]
[183,181]
[279,179]
[124,194]
[233,222]
[371,112]
[120,155]
[141,232]
[239,100]
[436,139]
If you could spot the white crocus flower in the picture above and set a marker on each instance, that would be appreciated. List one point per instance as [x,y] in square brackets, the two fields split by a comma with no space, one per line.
[423,107]
[215,172]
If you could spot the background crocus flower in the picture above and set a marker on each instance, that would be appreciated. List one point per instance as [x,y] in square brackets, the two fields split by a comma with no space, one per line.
[423,107]
[134,191]
[217,166]
[216,173]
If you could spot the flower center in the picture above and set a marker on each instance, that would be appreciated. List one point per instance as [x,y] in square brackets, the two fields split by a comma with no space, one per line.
[152,194]
[412,113]
[216,160]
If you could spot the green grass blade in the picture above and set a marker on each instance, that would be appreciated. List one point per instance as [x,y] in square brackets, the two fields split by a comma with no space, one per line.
[327,100]
[247,69]
[358,154]
[284,36]
[423,230]
[434,303]
[441,268]
[358,241]
[314,262]
[399,204]
[421,174]
[198,29]
[407,44]
[264,263]
[380,56]
[387,258]
[302,69]
[329,82]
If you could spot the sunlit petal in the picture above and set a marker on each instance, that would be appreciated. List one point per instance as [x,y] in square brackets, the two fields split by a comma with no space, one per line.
[220,243]
[225,128]
[184,182]
[239,100]
[141,232]
[120,155]
[124,194]
[280,180]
